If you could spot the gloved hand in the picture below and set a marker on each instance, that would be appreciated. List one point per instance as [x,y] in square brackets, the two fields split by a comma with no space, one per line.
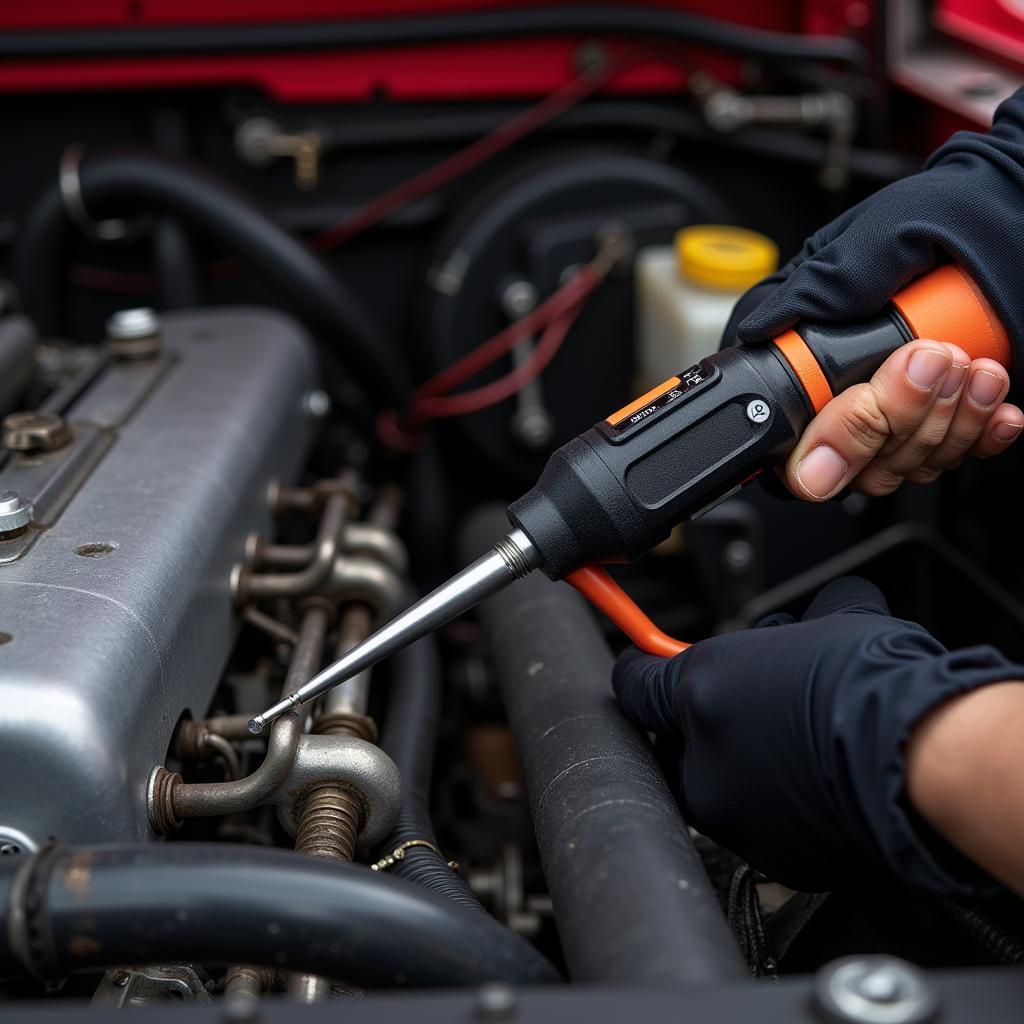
[791,738]
[968,206]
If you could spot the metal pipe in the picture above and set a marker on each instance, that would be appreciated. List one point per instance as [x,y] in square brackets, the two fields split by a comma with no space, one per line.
[353,695]
[90,908]
[250,585]
[632,901]
[355,578]
[208,799]
[358,538]
[512,557]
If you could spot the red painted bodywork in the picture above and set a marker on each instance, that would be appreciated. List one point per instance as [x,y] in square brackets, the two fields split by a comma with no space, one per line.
[488,69]
[993,25]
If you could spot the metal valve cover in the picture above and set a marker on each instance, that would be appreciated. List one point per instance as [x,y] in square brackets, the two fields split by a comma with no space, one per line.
[117,616]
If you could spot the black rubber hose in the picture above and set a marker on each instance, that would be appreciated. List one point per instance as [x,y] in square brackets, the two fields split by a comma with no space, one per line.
[410,739]
[122,184]
[280,37]
[91,908]
[631,899]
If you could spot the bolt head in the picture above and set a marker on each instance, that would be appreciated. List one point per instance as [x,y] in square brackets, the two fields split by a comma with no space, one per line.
[316,403]
[34,431]
[496,1002]
[875,990]
[129,324]
[518,298]
[15,512]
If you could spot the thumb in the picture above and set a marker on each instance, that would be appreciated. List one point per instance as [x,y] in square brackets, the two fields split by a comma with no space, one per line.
[645,686]
[848,594]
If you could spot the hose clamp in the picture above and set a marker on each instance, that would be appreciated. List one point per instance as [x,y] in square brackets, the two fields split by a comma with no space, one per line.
[115,229]
[399,852]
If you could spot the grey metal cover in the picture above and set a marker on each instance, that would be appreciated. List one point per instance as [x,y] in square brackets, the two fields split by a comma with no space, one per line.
[106,653]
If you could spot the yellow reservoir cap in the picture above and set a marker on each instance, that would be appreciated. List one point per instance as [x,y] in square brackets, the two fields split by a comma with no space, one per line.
[727,258]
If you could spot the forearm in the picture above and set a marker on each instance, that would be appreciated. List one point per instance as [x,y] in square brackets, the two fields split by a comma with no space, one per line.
[965,776]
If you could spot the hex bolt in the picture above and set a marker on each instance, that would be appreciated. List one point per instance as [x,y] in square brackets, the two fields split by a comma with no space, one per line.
[15,512]
[875,990]
[34,431]
[134,333]
[496,1002]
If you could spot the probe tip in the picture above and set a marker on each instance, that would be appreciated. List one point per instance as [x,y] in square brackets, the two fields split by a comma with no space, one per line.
[256,724]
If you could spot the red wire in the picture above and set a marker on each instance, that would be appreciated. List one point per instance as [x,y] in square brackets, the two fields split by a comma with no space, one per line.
[504,387]
[466,159]
[494,142]
[574,291]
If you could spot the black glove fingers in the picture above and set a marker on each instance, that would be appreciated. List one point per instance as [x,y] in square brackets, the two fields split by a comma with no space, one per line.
[646,686]
[847,594]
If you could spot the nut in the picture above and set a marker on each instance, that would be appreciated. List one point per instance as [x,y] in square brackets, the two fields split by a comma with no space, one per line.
[35,431]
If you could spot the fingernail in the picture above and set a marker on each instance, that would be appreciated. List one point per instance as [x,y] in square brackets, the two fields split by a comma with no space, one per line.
[1007,432]
[821,471]
[927,366]
[952,383]
[985,387]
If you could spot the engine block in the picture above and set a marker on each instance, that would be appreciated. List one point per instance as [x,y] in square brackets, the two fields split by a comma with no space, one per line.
[115,603]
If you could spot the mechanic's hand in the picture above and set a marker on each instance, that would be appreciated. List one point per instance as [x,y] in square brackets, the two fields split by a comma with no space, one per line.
[968,206]
[926,408]
[792,738]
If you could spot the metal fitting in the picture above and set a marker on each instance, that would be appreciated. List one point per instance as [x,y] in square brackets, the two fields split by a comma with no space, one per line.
[34,432]
[345,723]
[496,1002]
[134,333]
[875,990]
[354,578]
[329,822]
[13,842]
[163,818]
[359,767]
[15,512]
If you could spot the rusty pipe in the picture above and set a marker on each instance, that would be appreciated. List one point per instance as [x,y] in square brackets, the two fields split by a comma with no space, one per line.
[358,538]
[248,585]
[207,799]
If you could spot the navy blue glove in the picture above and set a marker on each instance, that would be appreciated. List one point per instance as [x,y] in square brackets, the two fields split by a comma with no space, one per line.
[792,735]
[968,205]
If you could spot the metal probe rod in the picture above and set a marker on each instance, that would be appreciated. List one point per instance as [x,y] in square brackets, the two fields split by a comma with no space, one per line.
[512,558]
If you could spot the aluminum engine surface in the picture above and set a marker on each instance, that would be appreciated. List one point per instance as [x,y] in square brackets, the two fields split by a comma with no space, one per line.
[106,653]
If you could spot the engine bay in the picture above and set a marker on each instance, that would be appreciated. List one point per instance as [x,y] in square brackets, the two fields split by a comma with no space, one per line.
[294,304]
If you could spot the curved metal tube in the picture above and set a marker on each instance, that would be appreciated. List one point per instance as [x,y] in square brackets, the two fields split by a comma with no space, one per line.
[352,697]
[208,799]
[352,763]
[357,578]
[317,571]
[358,538]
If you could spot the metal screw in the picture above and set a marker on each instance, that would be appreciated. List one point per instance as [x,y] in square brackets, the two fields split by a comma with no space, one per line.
[758,411]
[15,512]
[738,556]
[518,298]
[134,333]
[875,990]
[496,1002]
[34,431]
[316,403]
[590,57]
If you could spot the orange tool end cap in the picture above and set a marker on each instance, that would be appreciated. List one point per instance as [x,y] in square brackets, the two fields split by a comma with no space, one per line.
[804,364]
[946,305]
[603,592]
